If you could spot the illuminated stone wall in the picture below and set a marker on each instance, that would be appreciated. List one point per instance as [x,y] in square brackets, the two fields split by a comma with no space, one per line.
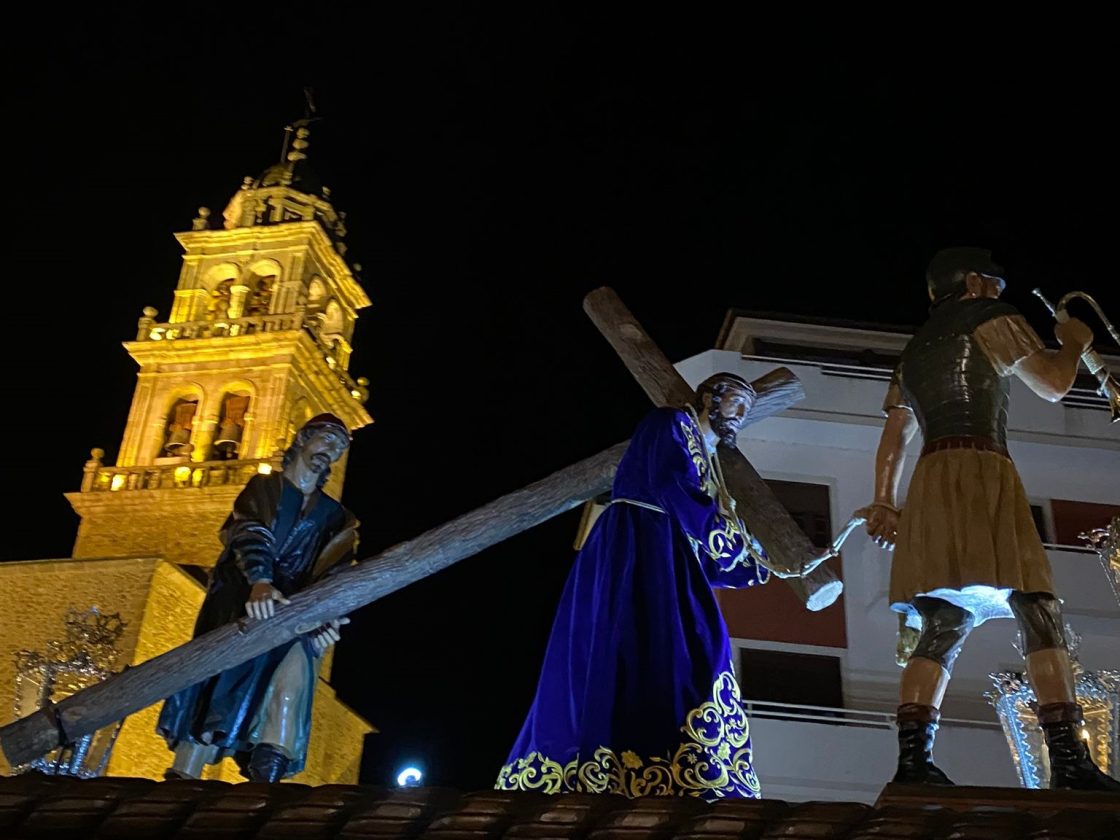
[158,603]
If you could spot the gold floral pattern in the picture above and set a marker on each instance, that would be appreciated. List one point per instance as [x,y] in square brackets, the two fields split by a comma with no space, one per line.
[722,545]
[722,539]
[695,450]
[712,761]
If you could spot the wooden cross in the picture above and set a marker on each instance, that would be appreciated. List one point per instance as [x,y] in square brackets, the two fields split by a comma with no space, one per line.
[787,546]
[120,695]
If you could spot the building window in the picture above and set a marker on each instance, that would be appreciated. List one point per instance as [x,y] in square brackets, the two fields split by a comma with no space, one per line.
[218,306]
[260,296]
[763,613]
[180,424]
[809,507]
[227,442]
[1038,513]
[841,356]
[1071,519]
[804,679]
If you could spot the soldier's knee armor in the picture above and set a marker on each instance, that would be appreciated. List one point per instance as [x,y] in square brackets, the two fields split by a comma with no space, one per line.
[1040,620]
[945,626]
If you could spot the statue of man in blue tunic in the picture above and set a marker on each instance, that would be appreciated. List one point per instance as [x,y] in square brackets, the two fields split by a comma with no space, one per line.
[638,695]
[284,534]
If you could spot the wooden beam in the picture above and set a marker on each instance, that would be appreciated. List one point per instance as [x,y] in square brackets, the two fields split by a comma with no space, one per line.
[122,694]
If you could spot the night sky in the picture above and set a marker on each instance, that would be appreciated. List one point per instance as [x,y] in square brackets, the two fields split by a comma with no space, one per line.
[494,171]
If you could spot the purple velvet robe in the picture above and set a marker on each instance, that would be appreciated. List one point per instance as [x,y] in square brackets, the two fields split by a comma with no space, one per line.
[637,695]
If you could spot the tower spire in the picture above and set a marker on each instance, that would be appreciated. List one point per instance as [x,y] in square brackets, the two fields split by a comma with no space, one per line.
[301,130]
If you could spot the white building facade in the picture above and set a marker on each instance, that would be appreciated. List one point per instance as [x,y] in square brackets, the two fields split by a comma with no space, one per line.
[823,686]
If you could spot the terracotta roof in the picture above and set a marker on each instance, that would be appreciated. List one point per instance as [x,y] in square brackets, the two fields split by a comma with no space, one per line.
[35,806]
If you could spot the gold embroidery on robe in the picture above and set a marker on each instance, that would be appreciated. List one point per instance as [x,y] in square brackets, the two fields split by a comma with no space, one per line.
[713,760]
[696,451]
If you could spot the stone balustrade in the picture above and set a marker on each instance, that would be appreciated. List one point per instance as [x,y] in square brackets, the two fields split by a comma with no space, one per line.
[172,474]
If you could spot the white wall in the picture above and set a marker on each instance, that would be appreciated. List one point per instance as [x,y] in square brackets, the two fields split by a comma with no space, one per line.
[801,761]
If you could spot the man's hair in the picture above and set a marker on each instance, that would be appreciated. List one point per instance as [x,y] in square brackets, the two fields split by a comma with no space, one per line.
[720,384]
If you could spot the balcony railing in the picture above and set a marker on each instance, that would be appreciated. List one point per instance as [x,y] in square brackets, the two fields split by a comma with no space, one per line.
[149,330]
[220,327]
[1084,394]
[759,710]
[100,479]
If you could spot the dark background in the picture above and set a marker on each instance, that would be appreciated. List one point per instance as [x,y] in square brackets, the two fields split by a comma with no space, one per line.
[494,169]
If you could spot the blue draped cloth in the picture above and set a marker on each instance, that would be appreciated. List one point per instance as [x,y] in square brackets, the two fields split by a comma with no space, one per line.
[637,695]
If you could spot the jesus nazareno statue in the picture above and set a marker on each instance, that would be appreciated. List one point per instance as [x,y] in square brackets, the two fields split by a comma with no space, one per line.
[638,695]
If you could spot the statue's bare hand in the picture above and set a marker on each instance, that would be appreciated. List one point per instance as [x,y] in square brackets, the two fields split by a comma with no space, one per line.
[262,598]
[327,635]
[882,524]
[1074,331]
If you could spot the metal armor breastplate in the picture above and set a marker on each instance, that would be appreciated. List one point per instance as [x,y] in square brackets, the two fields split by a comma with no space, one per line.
[952,387]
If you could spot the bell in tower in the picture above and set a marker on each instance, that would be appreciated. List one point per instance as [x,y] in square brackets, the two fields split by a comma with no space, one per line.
[227,443]
[178,438]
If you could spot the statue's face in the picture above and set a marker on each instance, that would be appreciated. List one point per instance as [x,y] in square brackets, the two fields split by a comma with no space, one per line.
[727,413]
[323,448]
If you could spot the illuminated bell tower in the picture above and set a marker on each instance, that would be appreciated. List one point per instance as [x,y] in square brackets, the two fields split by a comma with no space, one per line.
[258,341]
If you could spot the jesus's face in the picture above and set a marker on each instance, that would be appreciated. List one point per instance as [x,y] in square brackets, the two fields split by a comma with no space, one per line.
[727,412]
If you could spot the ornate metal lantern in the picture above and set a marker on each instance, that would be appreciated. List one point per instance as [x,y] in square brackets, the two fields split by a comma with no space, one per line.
[1106,541]
[86,656]
[1098,692]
